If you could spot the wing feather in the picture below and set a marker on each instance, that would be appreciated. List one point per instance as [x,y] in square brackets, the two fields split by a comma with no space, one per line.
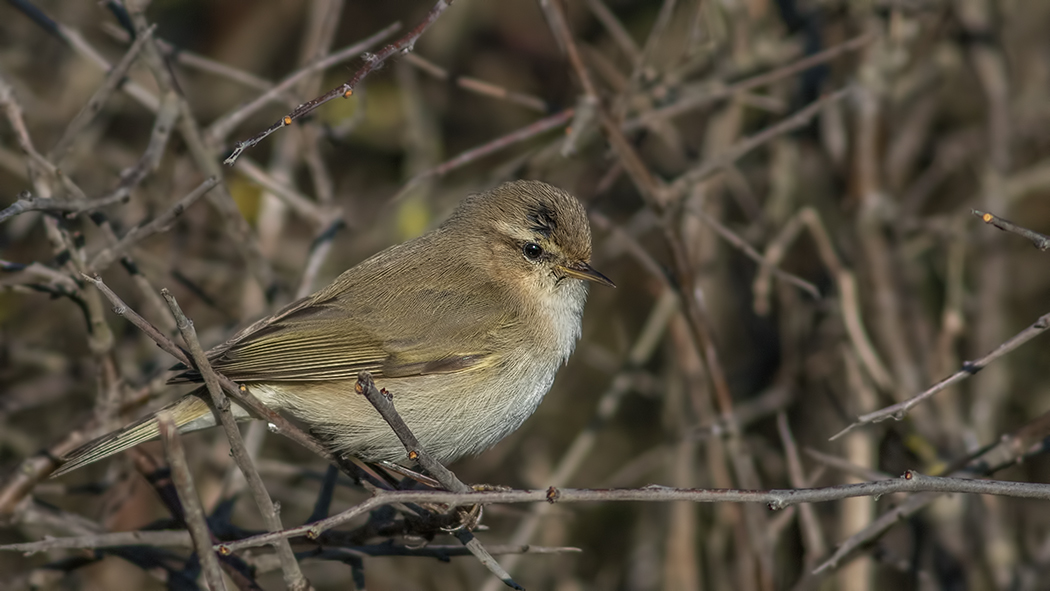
[328,336]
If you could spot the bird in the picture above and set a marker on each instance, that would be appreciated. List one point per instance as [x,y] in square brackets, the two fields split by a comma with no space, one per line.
[466,326]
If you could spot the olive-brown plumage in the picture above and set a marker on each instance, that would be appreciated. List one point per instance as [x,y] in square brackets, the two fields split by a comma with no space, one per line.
[466,326]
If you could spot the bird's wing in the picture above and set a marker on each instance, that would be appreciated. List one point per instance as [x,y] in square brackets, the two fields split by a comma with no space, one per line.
[330,337]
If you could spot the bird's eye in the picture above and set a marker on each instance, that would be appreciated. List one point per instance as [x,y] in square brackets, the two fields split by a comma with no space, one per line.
[532,251]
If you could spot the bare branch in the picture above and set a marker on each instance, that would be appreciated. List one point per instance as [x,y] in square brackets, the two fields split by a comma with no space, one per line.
[293,576]
[243,396]
[383,404]
[1040,241]
[775,499]
[372,63]
[193,513]
[529,131]
[158,224]
[113,81]
[223,126]
[899,410]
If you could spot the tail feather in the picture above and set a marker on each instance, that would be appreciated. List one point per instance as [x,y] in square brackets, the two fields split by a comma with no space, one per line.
[189,413]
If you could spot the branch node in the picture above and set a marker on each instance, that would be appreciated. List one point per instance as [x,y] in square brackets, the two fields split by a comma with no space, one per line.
[552,495]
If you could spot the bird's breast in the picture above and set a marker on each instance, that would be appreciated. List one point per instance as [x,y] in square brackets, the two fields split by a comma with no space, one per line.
[563,309]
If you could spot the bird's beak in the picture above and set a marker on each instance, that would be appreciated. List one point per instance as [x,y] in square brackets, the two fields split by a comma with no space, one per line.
[584,271]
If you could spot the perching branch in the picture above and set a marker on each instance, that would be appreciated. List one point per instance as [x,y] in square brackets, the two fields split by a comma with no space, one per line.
[383,404]
[909,482]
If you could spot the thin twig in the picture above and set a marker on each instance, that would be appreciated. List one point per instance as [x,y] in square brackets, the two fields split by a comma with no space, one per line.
[845,281]
[847,467]
[812,535]
[224,125]
[1005,452]
[94,105]
[298,202]
[742,245]
[529,131]
[243,396]
[372,62]
[293,576]
[319,250]
[478,86]
[158,224]
[174,539]
[385,407]
[192,511]
[969,368]
[616,29]
[182,539]
[1041,241]
[800,119]
[35,162]
[27,202]
[163,125]
[695,101]
[383,404]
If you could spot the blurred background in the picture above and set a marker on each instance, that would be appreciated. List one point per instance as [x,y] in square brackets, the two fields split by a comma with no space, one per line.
[845,140]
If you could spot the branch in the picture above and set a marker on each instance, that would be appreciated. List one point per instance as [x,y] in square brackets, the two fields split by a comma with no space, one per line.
[382,401]
[775,499]
[462,159]
[696,101]
[1041,241]
[1008,451]
[749,251]
[845,281]
[181,539]
[192,512]
[159,224]
[27,202]
[222,127]
[479,86]
[738,150]
[221,407]
[175,539]
[114,78]
[301,204]
[372,62]
[242,395]
[969,368]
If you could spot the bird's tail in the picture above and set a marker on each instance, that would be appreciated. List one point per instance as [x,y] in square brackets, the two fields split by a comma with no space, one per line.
[190,413]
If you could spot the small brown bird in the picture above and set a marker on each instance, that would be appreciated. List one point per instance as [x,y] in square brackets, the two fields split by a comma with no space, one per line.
[466,325]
